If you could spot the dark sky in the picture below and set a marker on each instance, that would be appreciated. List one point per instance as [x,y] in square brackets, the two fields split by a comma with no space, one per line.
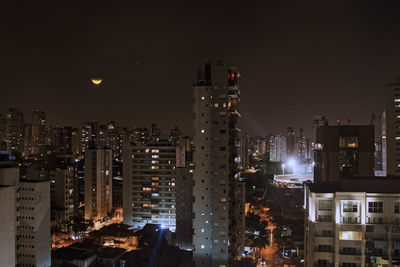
[297,59]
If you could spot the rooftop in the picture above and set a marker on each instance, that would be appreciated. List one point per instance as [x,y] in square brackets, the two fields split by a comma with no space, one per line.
[370,184]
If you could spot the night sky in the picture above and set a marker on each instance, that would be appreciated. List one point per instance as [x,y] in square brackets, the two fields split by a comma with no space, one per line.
[297,59]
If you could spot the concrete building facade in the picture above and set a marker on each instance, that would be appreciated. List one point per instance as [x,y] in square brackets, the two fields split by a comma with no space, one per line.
[98,183]
[393,127]
[149,185]
[343,151]
[216,140]
[354,223]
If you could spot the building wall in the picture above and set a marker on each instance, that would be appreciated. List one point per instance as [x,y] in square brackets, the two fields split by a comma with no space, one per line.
[371,237]
[329,152]
[33,224]
[215,98]
[98,183]
[7,225]
[62,193]
[150,185]
[184,208]
[392,127]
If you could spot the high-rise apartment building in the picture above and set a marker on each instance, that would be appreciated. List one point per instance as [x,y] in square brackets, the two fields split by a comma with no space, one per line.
[63,186]
[290,143]
[98,182]
[38,132]
[26,236]
[384,143]
[244,151]
[15,130]
[33,224]
[149,185]
[216,136]
[353,223]
[343,151]
[393,127]
[277,148]
[184,194]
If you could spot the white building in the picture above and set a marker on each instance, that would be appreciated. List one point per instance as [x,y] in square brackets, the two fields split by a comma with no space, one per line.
[33,224]
[149,185]
[216,186]
[354,223]
[98,183]
[25,207]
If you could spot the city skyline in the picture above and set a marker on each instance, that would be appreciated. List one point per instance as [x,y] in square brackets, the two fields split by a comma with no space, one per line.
[147,58]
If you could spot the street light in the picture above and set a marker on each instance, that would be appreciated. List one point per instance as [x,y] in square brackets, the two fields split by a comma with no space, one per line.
[283,168]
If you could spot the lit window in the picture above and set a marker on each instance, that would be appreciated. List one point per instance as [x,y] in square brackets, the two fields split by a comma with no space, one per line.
[397,100]
[397,137]
[147,150]
[202,246]
[154,156]
[155,151]
[202,230]
[216,105]
[202,131]
[202,98]
[350,235]
[223,200]
[350,206]
[325,205]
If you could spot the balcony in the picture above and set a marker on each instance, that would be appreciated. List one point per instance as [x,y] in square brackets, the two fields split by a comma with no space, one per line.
[355,252]
[324,248]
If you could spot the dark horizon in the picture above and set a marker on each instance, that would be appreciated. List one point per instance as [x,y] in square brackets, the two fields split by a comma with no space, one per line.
[296,60]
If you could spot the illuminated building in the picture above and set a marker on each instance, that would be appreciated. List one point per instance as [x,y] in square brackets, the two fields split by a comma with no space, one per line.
[38,133]
[149,185]
[384,144]
[217,205]
[343,151]
[353,223]
[98,183]
[244,150]
[277,148]
[63,187]
[15,130]
[393,127]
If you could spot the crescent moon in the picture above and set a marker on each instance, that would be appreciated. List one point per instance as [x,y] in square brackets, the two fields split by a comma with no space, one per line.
[96,81]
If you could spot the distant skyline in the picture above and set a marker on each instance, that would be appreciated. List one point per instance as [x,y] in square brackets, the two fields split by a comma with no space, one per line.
[297,59]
